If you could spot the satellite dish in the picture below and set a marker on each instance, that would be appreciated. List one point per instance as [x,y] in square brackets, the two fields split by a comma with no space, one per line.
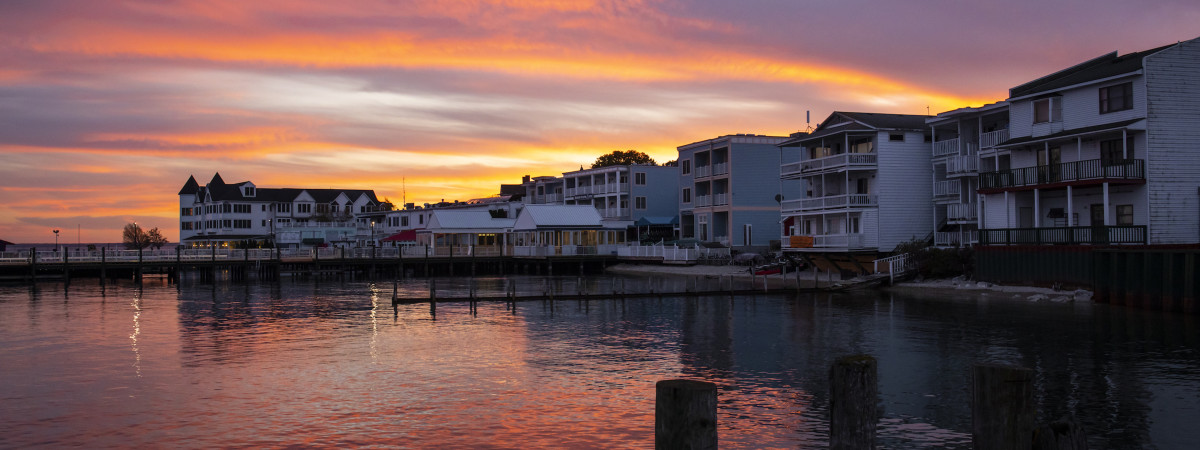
[778,198]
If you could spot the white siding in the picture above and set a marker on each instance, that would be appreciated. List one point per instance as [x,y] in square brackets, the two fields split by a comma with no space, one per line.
[1020,119]
[1081,106]
[903,178]
[870,228]
[1173,142]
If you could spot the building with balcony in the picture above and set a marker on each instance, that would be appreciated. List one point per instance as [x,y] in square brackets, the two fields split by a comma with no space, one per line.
[964,140]
[1103,152]
[864,185]
[625,194]
[230,214]
[728,189]
[544,190]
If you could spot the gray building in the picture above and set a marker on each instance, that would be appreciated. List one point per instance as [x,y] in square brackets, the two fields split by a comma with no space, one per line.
[730,190]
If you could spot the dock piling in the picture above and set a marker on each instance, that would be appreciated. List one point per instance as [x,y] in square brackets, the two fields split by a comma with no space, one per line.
[853,402]
[1002,409]
[685,414]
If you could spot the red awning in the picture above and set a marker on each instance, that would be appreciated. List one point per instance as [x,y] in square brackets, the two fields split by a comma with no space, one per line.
[403,236]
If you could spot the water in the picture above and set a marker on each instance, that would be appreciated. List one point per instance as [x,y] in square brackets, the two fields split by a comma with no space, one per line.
[328,364]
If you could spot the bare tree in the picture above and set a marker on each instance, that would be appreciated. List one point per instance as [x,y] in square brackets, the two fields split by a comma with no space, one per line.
[134,237]
[155,238]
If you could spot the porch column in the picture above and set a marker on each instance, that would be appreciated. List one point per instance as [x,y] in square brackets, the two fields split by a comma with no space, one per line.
[1037,208]
[1070,206]
[1079,149]
[1124,144]
[1106,215]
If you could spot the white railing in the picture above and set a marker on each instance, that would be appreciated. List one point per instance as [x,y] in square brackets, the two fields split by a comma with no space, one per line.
[670,253]
[993,138]
[703,171]
[830,202]
[955,238]
[896,265]
[720,199]
[961,211]
[720,169]
[962,165]
[609,213]
[312,224]
[829,162]
[946,147]
[851,240]
[552,198]
[946,188]
[702,201]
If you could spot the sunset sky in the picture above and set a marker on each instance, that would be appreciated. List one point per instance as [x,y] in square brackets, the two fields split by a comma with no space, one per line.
[106,107]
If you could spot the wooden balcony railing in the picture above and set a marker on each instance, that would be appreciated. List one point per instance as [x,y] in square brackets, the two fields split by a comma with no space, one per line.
[830,202]
[863,160]
[961,211]
[946,147]
[946,188]
[962,165]
[1092,169]
[1097,235]
[993,138]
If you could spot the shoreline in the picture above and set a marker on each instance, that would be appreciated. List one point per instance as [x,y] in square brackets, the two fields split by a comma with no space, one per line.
[939,286]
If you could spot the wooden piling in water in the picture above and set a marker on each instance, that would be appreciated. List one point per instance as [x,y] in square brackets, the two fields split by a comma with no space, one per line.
[1002,413]
[685,414]
[1062,434]
[853,402]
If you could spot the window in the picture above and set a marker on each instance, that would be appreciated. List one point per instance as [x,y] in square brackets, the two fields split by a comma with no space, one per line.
[687,167]
[1124,214]
[241,209]
[404,221]
[1047,110]
[896,137]
[420,220]
[304,208]
[862,145]
[639,178]
[862,186]
[284,207]
[852,225]
[227,208]
[264,222]
[639,202]
[185,211]
[1113,153]
[185,225]
[1116,98]
[227,223]
[687,195]
[264,207]
[248,191]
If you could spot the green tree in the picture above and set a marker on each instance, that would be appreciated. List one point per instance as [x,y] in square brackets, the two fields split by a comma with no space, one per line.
[620,158]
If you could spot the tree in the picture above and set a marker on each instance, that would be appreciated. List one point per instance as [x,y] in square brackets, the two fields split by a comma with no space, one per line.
[620,158]
[134,237]
[671,163]
[155,238]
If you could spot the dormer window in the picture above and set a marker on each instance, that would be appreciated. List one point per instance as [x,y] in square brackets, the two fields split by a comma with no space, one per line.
[248,191]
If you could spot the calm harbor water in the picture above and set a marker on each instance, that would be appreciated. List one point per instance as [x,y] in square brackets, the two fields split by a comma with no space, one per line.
[329,364]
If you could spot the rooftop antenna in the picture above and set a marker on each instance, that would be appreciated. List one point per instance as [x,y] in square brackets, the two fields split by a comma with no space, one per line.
[927,110]
[403,190]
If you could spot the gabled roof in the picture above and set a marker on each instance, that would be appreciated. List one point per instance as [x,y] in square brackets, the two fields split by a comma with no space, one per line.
[533,217]
[219,190]
[1105,66]
[842,121]
[190,187]
[467,220]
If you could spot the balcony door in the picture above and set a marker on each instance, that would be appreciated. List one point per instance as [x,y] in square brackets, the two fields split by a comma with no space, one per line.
[1049,164]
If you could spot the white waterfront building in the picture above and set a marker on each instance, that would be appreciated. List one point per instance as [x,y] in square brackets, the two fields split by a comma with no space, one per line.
[239,214]
[865,185]
[1103,152]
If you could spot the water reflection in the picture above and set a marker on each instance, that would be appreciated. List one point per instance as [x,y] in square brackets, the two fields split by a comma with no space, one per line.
[312,364]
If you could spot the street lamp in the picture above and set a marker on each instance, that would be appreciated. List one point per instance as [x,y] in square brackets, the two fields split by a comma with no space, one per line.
[55,241]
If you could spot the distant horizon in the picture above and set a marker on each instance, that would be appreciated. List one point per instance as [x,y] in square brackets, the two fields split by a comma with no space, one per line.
[110,106]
